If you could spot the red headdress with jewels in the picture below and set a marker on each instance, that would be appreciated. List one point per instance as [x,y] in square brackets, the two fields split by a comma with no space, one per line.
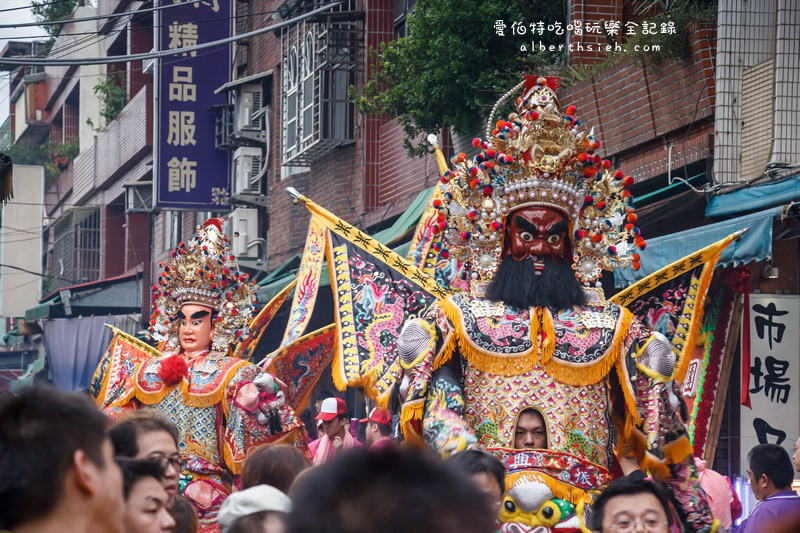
[539,156]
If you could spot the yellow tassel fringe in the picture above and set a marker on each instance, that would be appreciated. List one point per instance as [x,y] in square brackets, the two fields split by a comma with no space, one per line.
[505,365]
[191,399]
[548,331]
[656,467]
[678,450]
[697,317]
[541,326]
[560,490]
[446,352]
[411,412]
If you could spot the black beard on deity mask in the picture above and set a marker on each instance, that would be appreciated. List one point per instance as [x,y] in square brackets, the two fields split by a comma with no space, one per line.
[517,284]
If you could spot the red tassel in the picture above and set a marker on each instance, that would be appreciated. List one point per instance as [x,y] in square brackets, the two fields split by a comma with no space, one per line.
[172,370]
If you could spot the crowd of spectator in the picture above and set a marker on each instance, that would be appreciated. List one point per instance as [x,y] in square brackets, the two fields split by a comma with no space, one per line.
[65,467]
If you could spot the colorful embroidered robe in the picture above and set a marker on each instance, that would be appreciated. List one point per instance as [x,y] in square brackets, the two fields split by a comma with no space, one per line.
[596,375]
[214,407]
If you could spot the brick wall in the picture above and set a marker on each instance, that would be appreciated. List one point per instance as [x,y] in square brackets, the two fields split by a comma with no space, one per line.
[140,40]
[137,240]
[585,47]
[379,28]
[400,176]
[632,105]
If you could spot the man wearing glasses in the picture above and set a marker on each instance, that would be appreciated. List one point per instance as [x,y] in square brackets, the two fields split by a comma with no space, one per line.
[631,505]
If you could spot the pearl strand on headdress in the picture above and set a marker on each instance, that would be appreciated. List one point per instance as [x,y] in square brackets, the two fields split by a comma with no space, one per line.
[497,105]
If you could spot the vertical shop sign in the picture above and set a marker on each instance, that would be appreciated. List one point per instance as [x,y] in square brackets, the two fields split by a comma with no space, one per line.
[189,173]
[774,374]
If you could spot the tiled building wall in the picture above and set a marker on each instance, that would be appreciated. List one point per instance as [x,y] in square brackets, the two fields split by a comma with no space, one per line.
[746,38]
[787,82]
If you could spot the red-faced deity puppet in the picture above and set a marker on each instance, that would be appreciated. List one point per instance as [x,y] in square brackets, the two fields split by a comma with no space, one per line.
[537,261]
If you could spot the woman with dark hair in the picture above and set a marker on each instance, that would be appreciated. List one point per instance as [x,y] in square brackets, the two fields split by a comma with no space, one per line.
[274,465]
[185,516]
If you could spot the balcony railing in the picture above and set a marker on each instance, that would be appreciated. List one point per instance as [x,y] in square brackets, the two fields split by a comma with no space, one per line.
[117,148]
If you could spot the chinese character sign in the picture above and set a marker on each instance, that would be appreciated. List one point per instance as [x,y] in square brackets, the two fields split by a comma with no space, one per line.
[774,374]
[189,172]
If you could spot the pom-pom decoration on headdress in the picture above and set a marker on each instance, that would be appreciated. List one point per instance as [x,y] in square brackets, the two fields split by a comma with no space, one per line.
[539,156]
[203,271]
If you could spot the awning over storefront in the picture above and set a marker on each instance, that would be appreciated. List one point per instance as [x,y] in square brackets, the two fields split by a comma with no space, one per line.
[117,295]
[74,347]
[755,197]
[241,81]
[755,245]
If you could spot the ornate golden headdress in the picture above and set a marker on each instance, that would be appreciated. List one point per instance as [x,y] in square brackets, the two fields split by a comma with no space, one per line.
[538,157]
[203,271]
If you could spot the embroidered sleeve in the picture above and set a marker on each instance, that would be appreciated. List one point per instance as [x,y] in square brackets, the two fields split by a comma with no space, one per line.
[112,384]
[424,345]
[656,435]
[255,413]
[445,429]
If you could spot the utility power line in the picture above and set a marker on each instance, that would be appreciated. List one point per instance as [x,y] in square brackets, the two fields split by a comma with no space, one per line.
[151,26]
[162,53]
[103,17]
[30,6]
[39,274]
[96,37]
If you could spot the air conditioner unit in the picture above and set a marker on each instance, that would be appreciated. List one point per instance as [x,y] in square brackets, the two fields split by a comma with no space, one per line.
[247,162]
[243,224]
[248,105]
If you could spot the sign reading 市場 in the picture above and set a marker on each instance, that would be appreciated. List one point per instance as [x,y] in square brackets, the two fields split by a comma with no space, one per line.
[774,416]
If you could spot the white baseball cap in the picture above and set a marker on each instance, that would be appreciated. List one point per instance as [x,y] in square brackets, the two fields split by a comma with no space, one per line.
[249,501]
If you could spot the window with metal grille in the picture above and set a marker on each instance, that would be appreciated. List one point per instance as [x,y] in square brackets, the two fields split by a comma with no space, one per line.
[402,8]
[75,254]
[320,61]
[172,229]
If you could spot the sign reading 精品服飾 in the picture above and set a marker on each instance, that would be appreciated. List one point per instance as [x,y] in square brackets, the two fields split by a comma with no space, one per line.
[774,413]
[189,173]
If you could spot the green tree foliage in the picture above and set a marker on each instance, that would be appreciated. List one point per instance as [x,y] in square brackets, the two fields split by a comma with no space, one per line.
[48,11]
[453,66]
[27,153]
[112,97]
[54,158]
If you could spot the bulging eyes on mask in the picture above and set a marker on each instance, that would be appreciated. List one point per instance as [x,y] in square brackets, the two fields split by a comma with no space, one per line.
[536,270]
[539,233]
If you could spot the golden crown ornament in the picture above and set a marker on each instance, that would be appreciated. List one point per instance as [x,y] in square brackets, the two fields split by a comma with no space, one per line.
[203,271]
[539,156]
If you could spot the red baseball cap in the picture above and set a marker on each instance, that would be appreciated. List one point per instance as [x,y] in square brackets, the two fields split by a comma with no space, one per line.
[331,408]
[379,416]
